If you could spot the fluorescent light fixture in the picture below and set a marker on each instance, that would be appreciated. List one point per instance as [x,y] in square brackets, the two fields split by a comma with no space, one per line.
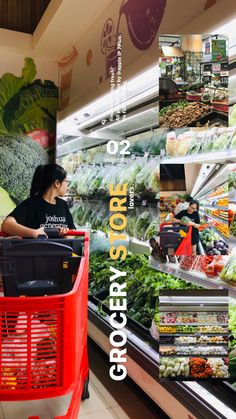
[128,118]
[219,178]
[172,52]
[134,100]
[130,92]
[191,299]
[205,170]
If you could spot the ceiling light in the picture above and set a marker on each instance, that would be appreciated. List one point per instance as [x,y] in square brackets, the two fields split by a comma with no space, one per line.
[132,91]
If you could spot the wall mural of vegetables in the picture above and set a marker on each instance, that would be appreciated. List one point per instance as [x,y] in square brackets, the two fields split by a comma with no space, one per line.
[27,132]
[28,104]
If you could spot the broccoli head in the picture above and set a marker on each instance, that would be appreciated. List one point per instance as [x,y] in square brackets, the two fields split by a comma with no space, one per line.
[19,157]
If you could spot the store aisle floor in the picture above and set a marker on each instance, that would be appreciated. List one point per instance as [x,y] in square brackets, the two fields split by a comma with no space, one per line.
[108,399]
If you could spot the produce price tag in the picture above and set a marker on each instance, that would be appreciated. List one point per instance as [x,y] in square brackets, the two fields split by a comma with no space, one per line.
[224,73]
[144,203]
[216,68]
[146,154]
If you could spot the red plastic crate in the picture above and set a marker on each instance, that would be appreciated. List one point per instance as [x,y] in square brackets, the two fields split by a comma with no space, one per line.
[43,343]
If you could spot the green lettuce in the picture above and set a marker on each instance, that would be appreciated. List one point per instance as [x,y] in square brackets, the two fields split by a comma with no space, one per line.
[25,104]
[34,107]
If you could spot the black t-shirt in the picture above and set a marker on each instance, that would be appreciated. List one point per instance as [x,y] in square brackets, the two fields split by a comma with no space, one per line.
[35,212]
[194,217]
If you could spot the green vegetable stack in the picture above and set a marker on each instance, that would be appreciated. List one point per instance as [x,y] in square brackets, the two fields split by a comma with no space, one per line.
[19,158]
[143,284]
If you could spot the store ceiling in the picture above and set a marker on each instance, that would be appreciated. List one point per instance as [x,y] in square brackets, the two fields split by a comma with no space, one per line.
[21,15]
[172,172]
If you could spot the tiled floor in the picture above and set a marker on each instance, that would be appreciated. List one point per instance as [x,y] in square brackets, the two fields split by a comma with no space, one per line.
[108,399]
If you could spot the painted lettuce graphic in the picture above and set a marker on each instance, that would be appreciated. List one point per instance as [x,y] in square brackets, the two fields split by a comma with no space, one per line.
[27,104]
[19,157]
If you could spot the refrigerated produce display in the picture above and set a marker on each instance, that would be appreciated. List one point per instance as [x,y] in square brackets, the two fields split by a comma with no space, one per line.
[193,84]
[88,196]
[87,163]
[232,203]
[208,184]
[185,145]
[92,169]
[191,353]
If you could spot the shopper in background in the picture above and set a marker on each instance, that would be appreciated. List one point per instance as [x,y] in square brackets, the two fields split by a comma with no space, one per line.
[183,205]
[192,212]
[44,208]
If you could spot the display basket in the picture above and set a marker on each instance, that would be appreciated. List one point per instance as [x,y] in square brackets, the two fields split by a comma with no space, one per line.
[43,342]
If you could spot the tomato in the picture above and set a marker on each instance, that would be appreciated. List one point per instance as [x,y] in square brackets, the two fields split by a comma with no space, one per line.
[219,266]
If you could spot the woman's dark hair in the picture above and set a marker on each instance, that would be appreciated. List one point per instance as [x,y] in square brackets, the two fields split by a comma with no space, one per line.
[44,177]
[194,202]
[189,199]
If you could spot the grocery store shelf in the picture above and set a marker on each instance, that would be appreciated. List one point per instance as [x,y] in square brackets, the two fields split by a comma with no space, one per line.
[192,324]
[218,177]
[206,344]
[193,355]
[224,195]
[220,234]
[217,156]
[216,207]
[197,334]
[187,400]
[194,277]
[214,217]
[208,379]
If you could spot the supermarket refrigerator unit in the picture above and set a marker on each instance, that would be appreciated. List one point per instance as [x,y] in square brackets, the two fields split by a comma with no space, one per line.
[180,399]
[211,190]
[193,335]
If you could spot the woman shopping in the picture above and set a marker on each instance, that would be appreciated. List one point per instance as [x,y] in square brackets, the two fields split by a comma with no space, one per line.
[44,209]
[192,213]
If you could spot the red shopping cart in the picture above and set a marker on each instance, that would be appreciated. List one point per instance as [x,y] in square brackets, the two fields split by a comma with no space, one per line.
[173,241]
[43,339]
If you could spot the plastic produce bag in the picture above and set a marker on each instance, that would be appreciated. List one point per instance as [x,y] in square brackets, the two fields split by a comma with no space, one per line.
[228,273]
[197,140]
[148,177]
[182,143]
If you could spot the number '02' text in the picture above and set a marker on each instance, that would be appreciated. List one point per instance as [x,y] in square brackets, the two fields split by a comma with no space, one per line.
[118,147]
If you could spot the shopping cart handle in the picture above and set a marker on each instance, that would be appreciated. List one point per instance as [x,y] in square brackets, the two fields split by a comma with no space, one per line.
[169,223]
[52,233]
[55,234]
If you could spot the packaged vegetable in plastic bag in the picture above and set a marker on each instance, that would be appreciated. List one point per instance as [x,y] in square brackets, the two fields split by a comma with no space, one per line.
[197,139]
[148,177]
[222,139]
[209,140]
[170,143]
[182,143]
[228,273]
